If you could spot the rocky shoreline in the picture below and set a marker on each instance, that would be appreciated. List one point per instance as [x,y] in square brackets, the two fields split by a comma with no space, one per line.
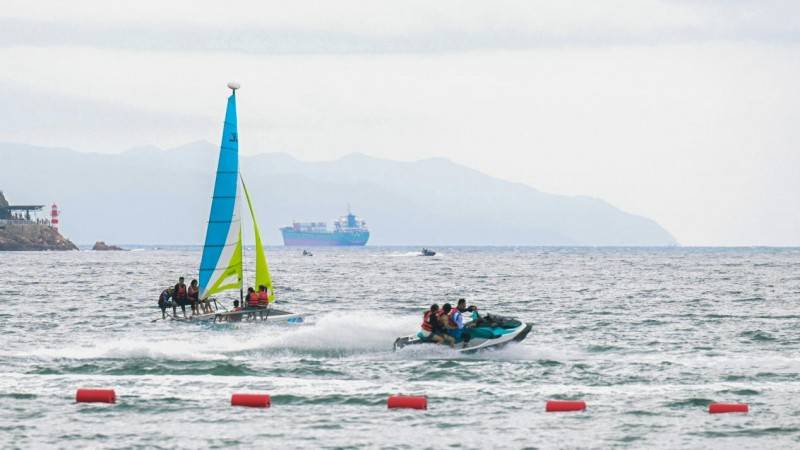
[33,237]
[102,246]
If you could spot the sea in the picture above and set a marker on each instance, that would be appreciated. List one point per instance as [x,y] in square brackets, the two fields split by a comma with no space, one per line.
[647,337]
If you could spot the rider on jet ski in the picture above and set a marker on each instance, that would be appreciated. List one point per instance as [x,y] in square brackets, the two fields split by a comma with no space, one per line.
[433,329]
[458,330]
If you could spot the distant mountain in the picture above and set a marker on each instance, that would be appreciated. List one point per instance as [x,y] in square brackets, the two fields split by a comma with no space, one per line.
[148,195]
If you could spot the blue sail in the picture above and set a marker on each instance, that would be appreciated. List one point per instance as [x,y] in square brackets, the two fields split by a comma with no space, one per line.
[221,263]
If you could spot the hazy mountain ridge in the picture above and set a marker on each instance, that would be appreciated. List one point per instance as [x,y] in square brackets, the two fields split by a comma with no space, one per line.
[148,195]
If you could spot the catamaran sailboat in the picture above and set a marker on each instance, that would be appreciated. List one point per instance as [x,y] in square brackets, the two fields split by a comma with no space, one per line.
[221,266]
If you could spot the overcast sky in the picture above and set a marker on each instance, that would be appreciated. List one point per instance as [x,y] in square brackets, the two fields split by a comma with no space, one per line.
[687,112]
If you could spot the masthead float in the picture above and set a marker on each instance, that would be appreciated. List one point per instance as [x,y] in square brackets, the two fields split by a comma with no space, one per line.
[221,265]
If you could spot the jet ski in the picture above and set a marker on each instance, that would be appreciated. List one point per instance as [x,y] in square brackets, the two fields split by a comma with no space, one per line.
[485,331]
[426,252]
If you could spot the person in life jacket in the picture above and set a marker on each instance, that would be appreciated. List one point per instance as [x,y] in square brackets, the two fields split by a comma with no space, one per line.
[164,303]
[443,319]
[263,296]
[431,328]
[235,317]
[252,298]
[457,329]
[193,294]
[181,295]
[429,324]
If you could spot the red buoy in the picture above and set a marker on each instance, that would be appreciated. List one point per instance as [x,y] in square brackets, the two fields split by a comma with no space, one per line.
[251,400]
[407,401]
[95,396]
[717,408]
[564,405]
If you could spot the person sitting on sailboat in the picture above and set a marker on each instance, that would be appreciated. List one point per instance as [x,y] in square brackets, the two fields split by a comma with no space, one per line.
[194,293]
[235,317]
[181,295]
[164,303]
[252,299]
[263,296]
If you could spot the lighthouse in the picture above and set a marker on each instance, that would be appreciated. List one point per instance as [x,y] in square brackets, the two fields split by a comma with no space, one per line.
[54,217]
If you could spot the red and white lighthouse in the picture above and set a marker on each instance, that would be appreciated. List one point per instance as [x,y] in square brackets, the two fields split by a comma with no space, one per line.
[54,217]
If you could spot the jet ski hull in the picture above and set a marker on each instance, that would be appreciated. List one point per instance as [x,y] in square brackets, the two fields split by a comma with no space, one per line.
[483,337]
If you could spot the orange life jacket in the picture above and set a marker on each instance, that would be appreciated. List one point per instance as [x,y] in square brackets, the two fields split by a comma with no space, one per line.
[263,297]
[426,321]
[181,292]
[252,299]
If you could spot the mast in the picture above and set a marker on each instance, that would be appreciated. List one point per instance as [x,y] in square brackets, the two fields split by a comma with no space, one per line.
[233,86]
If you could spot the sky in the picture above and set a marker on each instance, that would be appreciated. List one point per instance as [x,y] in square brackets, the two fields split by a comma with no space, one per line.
[687,112]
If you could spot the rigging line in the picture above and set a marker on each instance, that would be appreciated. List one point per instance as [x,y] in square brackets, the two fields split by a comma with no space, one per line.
[242,282]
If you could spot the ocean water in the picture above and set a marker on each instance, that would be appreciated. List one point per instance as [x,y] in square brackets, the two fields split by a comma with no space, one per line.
[647,337]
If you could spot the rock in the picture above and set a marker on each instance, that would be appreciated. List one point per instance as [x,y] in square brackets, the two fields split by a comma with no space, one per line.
[102,246]
[32,237]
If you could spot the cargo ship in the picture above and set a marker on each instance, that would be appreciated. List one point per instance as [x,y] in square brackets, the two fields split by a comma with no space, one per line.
[347,231]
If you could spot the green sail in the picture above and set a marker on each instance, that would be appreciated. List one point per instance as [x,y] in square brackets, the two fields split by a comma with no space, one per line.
[262,270]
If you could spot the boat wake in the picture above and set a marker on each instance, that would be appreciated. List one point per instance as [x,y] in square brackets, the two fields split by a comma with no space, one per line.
[335,334]
[403,254]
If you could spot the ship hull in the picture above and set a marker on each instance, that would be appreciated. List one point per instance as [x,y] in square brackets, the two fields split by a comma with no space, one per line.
[294,238]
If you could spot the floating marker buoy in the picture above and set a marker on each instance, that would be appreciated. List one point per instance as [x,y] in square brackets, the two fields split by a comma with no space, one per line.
[95,396]
[407,401]
[564,405]
[251,400]
[717,408]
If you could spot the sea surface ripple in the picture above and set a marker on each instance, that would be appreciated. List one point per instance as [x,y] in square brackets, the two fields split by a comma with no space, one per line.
[647,337]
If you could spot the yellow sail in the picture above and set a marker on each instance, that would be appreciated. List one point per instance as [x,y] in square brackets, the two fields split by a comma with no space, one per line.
[262,270]
[231,275]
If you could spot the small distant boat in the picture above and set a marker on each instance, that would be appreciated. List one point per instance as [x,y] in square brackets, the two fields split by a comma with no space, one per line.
[221,266]
[307,253]
[486,332]
[426,252]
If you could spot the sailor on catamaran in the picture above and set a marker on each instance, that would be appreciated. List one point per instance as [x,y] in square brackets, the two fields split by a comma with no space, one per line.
[180,294]
[164,303]
[252,299]
[193,294]
[263,296]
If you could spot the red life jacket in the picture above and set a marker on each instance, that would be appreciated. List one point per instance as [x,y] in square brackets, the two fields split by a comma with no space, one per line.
[263,297]
[426,321]
[181,291]
[450,317]
[252,299]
